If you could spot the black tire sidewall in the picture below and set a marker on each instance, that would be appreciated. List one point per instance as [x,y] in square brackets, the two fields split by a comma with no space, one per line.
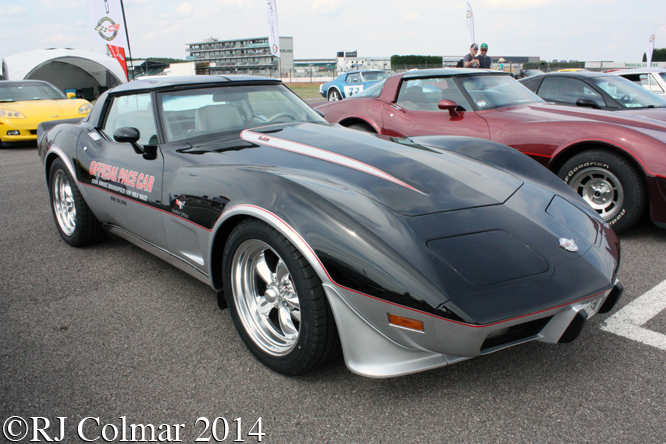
[633,205]
[333,92]
[76,238]
[301,358]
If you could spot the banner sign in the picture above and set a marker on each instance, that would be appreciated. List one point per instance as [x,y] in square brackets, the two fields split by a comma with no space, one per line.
[470,23]
[108,24]
[273,33]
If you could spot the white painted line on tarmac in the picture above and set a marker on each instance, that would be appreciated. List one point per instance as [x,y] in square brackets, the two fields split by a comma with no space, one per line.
[629,321]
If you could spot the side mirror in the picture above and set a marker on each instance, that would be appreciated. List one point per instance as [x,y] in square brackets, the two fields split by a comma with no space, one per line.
[71,95]
[587,103]
[131,135]
[449,105]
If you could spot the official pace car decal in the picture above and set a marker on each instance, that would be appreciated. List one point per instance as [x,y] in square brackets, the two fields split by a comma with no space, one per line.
[319,153]
[120,180]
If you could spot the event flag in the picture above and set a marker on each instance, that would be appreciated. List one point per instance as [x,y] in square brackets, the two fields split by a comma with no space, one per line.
[273,33]
[470,23]
[650,47]
[108,22]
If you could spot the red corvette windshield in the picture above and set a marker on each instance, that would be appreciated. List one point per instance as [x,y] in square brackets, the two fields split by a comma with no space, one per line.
[491,92]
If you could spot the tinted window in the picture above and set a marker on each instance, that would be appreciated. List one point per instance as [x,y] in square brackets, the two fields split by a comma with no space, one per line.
[531,84]
[568,90]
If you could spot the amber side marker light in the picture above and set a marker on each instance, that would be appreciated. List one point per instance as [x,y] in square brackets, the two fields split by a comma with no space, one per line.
[402,322]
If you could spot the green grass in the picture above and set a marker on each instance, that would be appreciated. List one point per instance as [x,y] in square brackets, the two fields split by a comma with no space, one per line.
[305,90]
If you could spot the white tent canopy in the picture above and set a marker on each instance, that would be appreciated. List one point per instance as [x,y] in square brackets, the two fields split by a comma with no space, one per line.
[67,69]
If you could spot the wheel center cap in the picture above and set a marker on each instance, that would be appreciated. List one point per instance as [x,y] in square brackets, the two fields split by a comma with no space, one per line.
[272,295]
[600,193]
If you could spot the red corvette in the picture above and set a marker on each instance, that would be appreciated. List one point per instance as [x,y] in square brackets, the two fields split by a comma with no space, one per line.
[617,163]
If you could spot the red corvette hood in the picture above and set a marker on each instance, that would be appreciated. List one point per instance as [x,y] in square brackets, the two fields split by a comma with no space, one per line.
[651,119]
[406,177]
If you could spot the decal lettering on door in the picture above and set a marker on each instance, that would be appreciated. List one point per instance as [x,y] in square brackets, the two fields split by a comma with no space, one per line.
[110,177]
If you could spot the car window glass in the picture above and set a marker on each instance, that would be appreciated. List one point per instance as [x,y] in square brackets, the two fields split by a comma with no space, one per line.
[531,83]
[15,92]
[354,78]
[197,112]
[497,91]
[134,111]
[374,76]
[628,94]
[425,94]
[374,91]
[563,89]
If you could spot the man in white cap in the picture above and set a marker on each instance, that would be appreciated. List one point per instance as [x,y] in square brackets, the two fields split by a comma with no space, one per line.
[470,61]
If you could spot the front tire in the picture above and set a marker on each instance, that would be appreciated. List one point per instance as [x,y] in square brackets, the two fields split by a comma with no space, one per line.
[334,95]
[276,300]
[77,225]
[610,184]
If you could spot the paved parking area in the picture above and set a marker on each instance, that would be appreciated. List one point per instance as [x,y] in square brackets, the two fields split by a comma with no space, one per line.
[110,332]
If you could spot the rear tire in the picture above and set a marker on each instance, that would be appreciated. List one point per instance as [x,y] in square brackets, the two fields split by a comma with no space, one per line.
[334,95]
[77,225]
[276,300]
[610,184]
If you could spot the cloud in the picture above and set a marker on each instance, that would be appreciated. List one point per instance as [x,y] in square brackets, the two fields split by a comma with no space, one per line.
[184,10]
[412,16]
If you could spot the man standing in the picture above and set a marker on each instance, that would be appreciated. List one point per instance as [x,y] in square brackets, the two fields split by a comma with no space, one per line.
[470,61]
[484,60]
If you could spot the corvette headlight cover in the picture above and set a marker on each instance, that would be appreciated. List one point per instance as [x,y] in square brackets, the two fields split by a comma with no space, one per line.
[10,114]
[85,109]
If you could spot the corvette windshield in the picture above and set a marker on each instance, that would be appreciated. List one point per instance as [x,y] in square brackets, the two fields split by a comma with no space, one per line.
[497,91]
[196,112]
[628,94]
[17,92]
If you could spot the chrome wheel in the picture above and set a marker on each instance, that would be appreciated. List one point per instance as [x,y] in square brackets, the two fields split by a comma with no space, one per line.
[601,189]
[63,203]
[265,297]
[334,96]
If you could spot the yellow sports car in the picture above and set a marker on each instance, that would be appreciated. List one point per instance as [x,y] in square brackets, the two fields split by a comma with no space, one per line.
[27,103]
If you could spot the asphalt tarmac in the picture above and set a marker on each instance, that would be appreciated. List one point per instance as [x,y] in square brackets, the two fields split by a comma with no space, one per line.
[109,337]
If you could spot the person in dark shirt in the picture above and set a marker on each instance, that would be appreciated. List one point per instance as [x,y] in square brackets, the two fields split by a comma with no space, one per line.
[483,58]
[470,61]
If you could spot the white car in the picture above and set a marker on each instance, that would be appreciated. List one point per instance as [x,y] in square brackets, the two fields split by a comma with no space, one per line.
[653,79]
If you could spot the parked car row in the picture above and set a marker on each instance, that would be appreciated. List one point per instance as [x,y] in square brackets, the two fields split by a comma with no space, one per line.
[615,161]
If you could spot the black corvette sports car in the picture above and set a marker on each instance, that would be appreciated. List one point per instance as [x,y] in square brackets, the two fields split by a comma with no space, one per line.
[406,253]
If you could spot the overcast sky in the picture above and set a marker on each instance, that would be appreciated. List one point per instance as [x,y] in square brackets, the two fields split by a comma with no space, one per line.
[589,30]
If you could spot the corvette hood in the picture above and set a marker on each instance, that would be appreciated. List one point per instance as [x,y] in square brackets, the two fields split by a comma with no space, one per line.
[46,109]
[406,177]
[645,119]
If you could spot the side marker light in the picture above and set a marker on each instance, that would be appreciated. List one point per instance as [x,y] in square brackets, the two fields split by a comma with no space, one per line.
[402,322]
